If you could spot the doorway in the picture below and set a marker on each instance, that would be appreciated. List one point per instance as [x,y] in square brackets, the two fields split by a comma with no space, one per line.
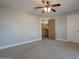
[48,29]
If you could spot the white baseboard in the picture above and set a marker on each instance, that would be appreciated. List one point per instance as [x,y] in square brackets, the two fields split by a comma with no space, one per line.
[61,39]
[21,43]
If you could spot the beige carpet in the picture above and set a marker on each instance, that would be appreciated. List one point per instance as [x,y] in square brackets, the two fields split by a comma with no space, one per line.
[44,49]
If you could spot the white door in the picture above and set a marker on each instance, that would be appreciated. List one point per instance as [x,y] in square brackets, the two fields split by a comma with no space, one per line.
[73,28]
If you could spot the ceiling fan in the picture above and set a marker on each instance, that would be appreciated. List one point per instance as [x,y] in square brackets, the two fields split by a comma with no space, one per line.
[47,7]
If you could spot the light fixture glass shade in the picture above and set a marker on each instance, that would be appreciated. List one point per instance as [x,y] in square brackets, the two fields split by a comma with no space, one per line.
[45,9]
[49,9]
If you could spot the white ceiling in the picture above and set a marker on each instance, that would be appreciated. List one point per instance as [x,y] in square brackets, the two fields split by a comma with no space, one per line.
[27,5]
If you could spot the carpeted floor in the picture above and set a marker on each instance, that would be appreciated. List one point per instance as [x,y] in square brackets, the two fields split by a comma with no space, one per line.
[44,49]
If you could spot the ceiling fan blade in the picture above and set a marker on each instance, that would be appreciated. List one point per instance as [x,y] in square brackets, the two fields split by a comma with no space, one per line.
[43,1]
[48,3]
[43,11]
[37,7]
[56,5]
[53,10]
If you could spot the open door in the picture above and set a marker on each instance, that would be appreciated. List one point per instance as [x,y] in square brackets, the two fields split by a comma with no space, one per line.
[48,29]
[45,33]
[51,29]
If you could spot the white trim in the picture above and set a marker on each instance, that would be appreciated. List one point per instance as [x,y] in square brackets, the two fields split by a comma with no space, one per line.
[61,39]
[21,43]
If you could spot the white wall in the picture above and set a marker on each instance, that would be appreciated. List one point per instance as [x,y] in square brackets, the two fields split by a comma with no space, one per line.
[61,27]
[73,28]
[67,26]
[17,26]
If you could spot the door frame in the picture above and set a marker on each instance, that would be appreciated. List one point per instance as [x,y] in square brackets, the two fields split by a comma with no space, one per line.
[41,26]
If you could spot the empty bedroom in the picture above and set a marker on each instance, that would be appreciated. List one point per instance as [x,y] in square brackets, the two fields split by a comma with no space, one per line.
[39,29]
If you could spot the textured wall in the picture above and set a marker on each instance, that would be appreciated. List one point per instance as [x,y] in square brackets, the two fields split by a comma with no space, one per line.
[17,26]
[61,27]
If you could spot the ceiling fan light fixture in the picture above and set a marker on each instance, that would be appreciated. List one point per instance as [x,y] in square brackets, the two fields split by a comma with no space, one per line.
[47,6]
[49,9]
[45,9]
